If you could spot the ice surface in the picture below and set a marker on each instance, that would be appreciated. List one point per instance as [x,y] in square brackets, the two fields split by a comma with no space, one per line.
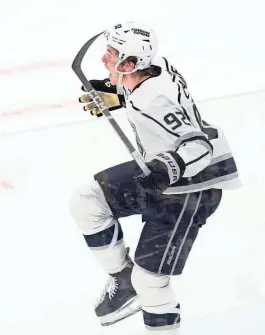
[48,147]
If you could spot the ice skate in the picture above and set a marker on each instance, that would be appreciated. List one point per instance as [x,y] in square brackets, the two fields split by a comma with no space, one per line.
[119,299]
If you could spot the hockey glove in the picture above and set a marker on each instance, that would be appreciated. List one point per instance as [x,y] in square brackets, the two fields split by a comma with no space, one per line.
[106,92]
[166,169]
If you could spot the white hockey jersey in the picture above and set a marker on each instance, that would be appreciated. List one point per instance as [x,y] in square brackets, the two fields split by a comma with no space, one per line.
[165,118]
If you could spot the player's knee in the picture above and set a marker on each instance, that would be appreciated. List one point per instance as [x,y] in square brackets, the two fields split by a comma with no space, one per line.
[153,289]
[89,208]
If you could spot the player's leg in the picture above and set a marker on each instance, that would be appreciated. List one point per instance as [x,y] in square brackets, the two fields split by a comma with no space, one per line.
[165,243]
[98,220]
[95,220]
[160,308]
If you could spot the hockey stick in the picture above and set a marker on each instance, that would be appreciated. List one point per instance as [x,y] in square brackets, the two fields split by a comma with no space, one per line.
[76,66]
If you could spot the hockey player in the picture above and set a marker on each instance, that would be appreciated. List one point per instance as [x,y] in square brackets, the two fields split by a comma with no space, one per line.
[190,163]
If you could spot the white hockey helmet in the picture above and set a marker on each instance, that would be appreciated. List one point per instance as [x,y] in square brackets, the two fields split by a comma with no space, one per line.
[133,39]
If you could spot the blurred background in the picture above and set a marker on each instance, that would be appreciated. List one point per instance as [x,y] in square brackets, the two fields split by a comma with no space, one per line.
[49,146]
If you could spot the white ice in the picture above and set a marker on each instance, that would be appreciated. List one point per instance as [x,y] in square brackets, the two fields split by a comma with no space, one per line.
[49,146]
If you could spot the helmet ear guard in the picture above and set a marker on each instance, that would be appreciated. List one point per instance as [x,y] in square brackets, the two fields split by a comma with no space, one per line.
[122,59]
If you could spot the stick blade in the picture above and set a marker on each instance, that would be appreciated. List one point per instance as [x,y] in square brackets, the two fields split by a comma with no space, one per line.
[80,55]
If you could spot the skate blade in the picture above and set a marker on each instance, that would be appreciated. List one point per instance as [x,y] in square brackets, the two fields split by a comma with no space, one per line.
[133,306]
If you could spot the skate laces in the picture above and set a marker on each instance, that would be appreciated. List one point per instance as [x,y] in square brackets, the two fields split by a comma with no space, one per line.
[110,288]
[113,286]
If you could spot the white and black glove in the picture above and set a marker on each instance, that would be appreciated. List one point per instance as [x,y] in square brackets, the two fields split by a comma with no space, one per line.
[107,93]
[166,169]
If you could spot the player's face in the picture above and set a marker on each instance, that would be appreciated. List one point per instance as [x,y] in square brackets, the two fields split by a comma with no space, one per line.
[110,58]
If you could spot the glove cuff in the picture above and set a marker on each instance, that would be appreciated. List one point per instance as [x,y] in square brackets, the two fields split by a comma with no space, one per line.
[173,163]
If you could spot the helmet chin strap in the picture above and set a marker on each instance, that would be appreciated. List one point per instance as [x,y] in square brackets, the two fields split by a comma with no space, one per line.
[120,77]
[119,84]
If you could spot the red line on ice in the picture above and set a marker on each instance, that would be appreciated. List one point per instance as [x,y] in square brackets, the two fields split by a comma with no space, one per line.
[7,185]
[33,66]
[36,108]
